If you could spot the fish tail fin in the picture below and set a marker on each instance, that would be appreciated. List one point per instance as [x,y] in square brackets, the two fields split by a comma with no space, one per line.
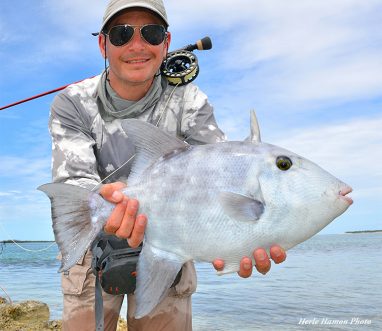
[75,219]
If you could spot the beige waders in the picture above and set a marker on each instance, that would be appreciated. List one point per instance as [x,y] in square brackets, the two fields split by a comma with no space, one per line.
[174,313]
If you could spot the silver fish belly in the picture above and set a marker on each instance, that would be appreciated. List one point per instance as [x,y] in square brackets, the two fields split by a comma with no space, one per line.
[203,202]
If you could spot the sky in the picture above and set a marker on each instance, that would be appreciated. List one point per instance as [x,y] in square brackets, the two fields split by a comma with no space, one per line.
[311,69]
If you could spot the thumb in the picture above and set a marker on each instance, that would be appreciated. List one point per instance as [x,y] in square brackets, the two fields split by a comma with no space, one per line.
[112,192]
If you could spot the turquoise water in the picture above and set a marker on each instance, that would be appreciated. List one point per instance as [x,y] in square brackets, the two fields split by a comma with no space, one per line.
[330,282]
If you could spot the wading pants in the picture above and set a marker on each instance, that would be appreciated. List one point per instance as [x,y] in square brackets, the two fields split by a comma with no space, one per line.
[78,287]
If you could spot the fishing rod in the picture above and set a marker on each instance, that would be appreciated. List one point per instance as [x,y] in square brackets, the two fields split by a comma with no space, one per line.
[180,67]
[38,96]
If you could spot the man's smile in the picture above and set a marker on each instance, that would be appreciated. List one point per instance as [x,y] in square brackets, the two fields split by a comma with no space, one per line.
[137,60]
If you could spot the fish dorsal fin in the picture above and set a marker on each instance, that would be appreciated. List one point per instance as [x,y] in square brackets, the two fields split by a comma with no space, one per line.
[150,144]
[255,129]
[241,207]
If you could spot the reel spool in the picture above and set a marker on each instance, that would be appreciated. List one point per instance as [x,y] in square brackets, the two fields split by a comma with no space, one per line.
[181,66]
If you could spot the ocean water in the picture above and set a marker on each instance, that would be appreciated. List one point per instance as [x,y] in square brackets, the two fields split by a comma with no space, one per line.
[330,282]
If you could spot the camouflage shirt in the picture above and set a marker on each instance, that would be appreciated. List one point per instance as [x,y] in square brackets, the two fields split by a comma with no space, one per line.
[87,149]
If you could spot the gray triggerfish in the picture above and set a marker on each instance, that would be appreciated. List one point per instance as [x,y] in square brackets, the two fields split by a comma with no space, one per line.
[203,202]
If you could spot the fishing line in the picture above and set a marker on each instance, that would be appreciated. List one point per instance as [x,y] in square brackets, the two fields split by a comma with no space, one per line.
[8,297]
[168,100]
[24,248]
[95,187]
[119,168]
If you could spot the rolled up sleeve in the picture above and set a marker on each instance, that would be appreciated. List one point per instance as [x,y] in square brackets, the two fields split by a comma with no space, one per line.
[73,158]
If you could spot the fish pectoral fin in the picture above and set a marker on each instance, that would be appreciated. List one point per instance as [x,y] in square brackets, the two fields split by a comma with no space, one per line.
[241,207]
[156,272]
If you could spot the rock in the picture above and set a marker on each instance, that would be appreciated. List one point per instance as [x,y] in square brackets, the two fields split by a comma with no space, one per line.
[28,316]
[32,316]
[122,325]
[54,325]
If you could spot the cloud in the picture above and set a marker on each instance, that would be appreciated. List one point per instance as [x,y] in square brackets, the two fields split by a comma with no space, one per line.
[350,150]
[28,220]
[3,35]
[22,171]
[299,63]
[51,33]
[286,51]
[76,16]
[294,53]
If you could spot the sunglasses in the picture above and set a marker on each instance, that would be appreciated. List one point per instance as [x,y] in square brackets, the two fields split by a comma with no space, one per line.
[153,34]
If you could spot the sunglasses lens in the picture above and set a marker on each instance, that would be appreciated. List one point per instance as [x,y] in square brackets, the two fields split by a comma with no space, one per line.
[121,34]
[154,34]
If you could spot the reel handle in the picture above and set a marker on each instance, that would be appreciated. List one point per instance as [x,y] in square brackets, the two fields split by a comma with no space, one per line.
[181,67]
[201,45]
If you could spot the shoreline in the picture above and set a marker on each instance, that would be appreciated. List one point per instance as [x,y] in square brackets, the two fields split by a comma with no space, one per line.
[25,241]
[363,231]
[13,241]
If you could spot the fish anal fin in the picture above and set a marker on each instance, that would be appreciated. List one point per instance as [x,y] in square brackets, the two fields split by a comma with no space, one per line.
[156,272]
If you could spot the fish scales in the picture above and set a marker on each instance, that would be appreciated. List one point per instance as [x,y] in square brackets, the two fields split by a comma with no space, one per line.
[203,202]
[175,218]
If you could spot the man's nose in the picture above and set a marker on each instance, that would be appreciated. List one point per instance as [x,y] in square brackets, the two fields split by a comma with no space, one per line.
[136,41]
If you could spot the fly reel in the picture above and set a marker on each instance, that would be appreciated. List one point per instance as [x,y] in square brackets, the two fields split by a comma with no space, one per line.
[181,66]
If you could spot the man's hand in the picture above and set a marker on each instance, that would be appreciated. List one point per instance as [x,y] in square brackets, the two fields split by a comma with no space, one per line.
[262,261]
[124,221]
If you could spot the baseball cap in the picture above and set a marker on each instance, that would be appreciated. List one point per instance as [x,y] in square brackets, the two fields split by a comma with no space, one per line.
[115,6]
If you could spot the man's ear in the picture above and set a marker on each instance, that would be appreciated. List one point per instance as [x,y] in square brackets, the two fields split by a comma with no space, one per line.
[102,44]
[168,41]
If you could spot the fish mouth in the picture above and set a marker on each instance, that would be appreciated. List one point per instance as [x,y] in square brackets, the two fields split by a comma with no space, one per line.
[343,194]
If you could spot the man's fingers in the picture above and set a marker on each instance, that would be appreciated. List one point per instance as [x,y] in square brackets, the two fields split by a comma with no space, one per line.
[218,264]
[123,221]
[112,192]
[138,231]
[278,255]
[245,267]
[114,221]
[127,223]
[262,261]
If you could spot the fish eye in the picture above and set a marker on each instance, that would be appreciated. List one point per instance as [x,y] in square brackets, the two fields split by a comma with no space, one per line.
[283,163]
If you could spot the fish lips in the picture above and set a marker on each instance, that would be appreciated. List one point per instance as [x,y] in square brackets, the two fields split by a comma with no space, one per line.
[343,194]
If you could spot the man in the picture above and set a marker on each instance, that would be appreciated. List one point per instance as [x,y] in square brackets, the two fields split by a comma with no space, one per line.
[89,145]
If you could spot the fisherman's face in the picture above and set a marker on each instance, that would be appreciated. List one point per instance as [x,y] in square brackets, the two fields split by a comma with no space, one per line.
[136,62]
